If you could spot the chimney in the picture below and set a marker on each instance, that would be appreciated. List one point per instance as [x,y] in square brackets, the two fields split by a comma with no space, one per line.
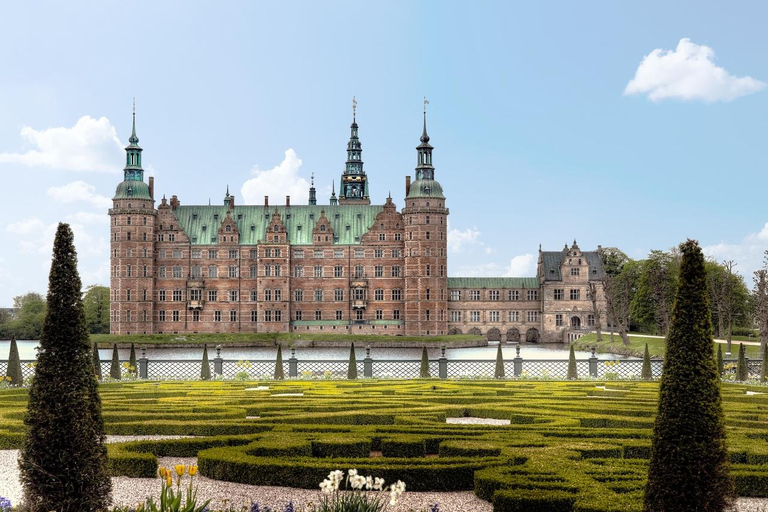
[231,202]
[152,187]
[287,200]
[266,201]
[407,185]
[174,202]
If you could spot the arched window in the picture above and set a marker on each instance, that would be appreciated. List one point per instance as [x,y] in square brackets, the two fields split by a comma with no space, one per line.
[322,228]
[228,229]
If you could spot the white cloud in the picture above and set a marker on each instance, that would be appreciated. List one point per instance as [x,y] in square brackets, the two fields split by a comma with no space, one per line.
[88,218]
[278,182]
[521,266]
[78,191]
[90,145]
[688,73]
[25,227]
[748,254]
[40,240]
[98,276]
[459,240]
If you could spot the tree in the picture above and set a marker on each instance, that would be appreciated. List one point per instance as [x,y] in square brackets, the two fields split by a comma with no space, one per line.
[761,302]
[652,303]
[132,366]
[573,372]
[742,371]
[621,290]
[205,368]
[764,367]
[498,372]
[279,374]
[613,262]
[689,467]
[13,372]
[63,460]
[96,302]
[596,310]
[96,361]
[352,368]
[424,370]
[30,314]
[646,373]
[114,368]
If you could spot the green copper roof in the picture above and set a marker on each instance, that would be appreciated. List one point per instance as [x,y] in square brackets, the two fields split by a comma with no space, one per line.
[426,188]
[493,282]
[349,222]
[132,190]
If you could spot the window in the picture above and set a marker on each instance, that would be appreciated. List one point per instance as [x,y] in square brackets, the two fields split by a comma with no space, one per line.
[128,294]
[128,271]
[267,316]
[533,294]
[455,316]
[298,295]
[426,317]
[234,271]
[278,315]
[379,314]
[145,295]
[233,295]
[175,316]
[338,271]
[196,315]
[514,295]
[339,315]
[233,315]
[161,295]
[396,314]
[378,294]
[298,315]
[160,271]
[338,295]
[427,219]
[213,254]
[161,316]
[267,270]
[378,253]
[338,253]
[318,295]
[474,294]
[396,253]
[196,271]
[129,253]
[253,254]
[144,271]
[177,271]
[359,253]
[382,237]
[397,294]
[442,271]
[428,270]
[559,293]
[359,314]
[233,254]
[318,271]
[268,295]
[254,296]
[278,295]
[533,316]
[514,316]
[212,295]
[378,271]
[213,271]
[171,237]
[493,295]
[298,254]
[398,237]
[298,271]
[474,316]
[128,236]
[318,254]
[558,320]
[575,271]
[162,254]
[195,294]
[493,316]
[318,314]
[395,270]
[575,294]
[359,271]
[358,294]
[177,254]
[129,218]
[455,294]
[255,316]
[253,271]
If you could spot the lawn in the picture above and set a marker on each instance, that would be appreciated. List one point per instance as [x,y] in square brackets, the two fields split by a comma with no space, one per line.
[585,443]
[656,346]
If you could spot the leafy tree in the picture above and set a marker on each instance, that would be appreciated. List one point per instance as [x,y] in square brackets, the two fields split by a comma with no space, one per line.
[96,361]
[613,262]
[689,467]
[646,373]
[573,372]
[279,375]
[652,302]
[14,365]
[205,369]
[96,302]
[760,299]
[63,460]
[742,372]
[114,369]
[620,290]
[352,368]
[424,369]
[30,314]
[498,372]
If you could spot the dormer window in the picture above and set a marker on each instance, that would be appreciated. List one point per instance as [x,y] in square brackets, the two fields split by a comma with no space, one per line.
[228,229]
[215,216]
[275,228]
[322,228]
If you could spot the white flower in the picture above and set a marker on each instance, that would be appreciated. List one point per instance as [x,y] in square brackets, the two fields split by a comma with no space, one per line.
[352,472]
[378,483]
[400,486]
[368,482]
[327,486]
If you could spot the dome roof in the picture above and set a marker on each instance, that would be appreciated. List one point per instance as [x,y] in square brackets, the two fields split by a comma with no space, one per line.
[132,190]
[426,188]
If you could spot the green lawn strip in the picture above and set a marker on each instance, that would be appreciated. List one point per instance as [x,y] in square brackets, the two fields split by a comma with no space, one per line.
[656,346]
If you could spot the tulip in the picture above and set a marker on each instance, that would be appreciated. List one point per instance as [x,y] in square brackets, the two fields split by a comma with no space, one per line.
[192,470]
[169,481]
[180,469]
[162,471]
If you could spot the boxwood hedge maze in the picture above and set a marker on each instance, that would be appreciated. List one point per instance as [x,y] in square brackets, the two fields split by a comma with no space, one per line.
[571,446]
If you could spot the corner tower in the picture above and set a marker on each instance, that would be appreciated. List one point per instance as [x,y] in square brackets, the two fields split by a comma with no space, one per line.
[132,222]
[354,182]
[426,246]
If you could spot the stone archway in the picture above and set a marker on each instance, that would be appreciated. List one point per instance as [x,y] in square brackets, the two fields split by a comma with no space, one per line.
[532,335]
[576,322]
[513,334]
[493,334]
[475,332]
[454,331]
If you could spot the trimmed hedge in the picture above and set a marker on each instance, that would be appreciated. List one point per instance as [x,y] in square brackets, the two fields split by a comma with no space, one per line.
[341,446]
[403,447]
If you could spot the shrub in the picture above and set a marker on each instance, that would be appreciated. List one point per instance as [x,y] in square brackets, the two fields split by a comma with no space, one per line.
[96,361]
[341,446]
[720,368]
[205,368]
[498,372]
[573,373]
[114,369]
[352,368]
[533,501]
[403,447]
[132,361]
[63,461]
[13,372]
[424,369]
[646,373]
[742,372]
[279,375]
[689,460]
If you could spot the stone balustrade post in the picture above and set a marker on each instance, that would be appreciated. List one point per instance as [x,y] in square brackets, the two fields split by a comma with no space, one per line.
[293,364]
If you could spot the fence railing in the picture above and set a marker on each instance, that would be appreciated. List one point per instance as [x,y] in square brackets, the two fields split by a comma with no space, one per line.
[443,368]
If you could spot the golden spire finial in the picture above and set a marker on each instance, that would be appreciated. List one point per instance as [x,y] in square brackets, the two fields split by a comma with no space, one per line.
[354,107]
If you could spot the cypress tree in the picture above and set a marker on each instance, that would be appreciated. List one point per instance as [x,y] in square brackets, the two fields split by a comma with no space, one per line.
[424,370]
[14,365]
[689,468]
[646,373]
[114,369]
[205,368]
[96,361]
[279,375]
[63,460]
[352,368]
[133,368]
[573,373]
[742,372]
[498,372]
[720,366]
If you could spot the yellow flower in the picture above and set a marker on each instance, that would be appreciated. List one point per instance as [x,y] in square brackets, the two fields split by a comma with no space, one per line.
[162,471]
[192,470]
[180,469]
[169,480]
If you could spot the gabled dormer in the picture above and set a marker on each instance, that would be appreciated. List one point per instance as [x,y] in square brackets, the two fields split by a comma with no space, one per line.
[322,233]
[387,227]
[228,232]
[276,232]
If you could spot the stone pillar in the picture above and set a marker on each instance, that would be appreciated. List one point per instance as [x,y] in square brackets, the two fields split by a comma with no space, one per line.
[143,364]
[218,362]
[593,363]
[368,364]
[442,364]
[518,361]
[293,364]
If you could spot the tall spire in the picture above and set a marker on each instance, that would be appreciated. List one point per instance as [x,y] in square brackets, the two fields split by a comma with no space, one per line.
[334,201]
[424,136]
[354,182]
[312,192]
[134,140]
[133,170]
[424,169]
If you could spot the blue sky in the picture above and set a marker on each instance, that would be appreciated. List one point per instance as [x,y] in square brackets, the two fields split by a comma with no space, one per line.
[547,122]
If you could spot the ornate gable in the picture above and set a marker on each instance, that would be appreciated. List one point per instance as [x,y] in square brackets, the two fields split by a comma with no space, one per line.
[322,233]
[228,232]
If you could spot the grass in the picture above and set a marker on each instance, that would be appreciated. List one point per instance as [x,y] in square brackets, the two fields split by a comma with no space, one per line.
[284,339]
[656,346]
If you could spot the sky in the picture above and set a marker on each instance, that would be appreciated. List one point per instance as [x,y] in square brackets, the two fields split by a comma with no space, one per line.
[634,125]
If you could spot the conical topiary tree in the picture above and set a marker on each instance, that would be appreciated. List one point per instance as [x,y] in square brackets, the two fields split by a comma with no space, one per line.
[742,372]
[720,365]
[498,372]
[13,373]
[63,460]
[133,368]
[114,369]
[96,360]
[424,370]
[689,464]
[352,368]
[646,373]
[573,373]
[205,367]
[279,375]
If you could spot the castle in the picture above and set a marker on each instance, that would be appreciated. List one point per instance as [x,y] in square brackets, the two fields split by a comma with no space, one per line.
[344,267]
